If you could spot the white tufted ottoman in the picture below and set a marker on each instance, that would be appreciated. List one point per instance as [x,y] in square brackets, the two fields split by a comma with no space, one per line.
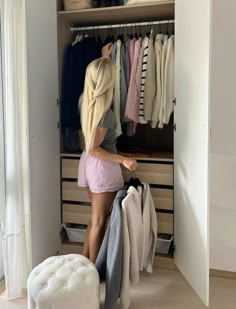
[64,282]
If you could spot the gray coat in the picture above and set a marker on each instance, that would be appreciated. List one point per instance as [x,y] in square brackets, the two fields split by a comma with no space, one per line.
[109,260]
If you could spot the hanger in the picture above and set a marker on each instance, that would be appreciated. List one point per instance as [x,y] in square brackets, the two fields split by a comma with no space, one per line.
[167,31]
[136,34]
[134,181]
[77,39]
[160,27]
[140,32]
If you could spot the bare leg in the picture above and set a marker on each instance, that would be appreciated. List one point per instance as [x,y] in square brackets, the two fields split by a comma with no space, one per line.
[86,241]
[101,204]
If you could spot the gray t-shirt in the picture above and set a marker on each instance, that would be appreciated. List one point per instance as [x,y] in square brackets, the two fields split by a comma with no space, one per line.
[108,122]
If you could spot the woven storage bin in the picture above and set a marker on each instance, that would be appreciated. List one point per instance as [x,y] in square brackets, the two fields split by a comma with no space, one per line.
[76,233]
[163,243]
[70,5]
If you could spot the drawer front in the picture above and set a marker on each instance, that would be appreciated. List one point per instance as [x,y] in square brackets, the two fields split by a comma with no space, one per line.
[70,168]
[81,214]
[151,173]
[71,248]
[165,223]
[159,174]
[163,198]
[71,192]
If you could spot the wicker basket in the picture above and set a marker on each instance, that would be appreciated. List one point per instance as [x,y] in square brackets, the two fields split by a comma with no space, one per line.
[70,5]
[75,232]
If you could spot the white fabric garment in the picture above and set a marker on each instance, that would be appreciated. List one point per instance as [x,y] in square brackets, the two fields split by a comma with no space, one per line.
[15,202]
[149,229]
[168,105]
[163,61]
[139,237]
[132,243]
[157,101]
[150,83]
[116,109]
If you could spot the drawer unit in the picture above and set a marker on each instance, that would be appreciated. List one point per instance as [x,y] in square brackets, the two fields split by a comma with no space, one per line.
[165,223]
[71,192]
[80,214]
[76,205]
[152,173]
[76,213]
[163,198]
[70,168]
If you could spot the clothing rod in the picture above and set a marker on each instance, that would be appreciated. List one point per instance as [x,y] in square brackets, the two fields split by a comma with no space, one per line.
[151,23]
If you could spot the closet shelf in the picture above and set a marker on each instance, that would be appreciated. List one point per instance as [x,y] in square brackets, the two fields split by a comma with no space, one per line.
[156,156]
[161,10]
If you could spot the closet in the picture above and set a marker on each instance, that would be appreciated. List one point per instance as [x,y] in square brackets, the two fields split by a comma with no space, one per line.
[179,179]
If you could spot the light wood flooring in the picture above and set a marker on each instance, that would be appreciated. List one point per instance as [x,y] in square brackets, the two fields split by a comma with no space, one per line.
[165,290]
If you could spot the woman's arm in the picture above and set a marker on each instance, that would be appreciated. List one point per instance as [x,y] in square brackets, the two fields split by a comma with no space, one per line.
[102,154]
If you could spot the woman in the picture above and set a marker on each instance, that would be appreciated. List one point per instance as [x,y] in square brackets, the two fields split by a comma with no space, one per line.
[99,169]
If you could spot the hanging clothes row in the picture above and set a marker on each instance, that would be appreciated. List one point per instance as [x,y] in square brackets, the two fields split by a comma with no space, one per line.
[144,87]
[144,80]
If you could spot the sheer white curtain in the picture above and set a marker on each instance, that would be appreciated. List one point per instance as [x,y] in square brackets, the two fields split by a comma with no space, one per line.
[15,209]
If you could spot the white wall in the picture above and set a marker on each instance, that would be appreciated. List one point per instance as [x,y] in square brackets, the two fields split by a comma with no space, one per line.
[42,70]
[223,137]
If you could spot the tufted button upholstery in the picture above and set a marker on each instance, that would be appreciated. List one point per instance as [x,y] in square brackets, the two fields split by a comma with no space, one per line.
[64,282]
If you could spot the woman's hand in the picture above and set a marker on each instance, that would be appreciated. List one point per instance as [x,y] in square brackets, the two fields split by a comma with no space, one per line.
[130,164]
[106,50]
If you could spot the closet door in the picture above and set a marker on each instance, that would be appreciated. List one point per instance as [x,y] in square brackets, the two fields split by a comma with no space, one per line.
[191,140]
[42,70]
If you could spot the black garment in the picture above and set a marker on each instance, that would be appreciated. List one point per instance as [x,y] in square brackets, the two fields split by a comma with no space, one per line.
[76,60]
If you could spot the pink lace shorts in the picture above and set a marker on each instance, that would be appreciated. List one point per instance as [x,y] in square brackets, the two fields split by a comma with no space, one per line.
[99,175]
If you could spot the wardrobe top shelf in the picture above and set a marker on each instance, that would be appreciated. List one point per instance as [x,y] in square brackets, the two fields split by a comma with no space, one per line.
[156,156]
[161,10]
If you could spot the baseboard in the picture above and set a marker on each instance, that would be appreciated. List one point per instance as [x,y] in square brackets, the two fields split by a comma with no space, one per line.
[222,274]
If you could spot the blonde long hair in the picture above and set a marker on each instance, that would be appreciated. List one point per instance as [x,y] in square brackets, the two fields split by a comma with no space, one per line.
[97,97]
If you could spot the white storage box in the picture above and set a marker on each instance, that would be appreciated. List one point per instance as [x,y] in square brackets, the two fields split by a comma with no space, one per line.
[163,243]
[75,232]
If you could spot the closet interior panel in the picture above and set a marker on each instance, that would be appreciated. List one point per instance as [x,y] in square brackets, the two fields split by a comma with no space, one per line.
[156,163]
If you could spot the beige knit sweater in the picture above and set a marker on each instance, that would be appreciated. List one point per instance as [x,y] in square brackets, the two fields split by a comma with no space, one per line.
[139,238]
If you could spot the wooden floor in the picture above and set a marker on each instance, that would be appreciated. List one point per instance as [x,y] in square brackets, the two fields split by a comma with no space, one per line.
[165,290]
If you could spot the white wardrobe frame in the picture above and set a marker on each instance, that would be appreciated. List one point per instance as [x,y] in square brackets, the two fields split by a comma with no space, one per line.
[191,139]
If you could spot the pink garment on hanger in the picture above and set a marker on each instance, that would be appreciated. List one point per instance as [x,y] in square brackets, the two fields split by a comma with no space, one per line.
[132,102]
[131,52]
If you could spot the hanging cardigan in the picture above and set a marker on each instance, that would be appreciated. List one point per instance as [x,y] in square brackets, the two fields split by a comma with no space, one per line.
[124,79]
[132,102]
[163,62]
[157,100]
[143,69]
[168,105]
[139,238]
[150,83]
[115,58]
